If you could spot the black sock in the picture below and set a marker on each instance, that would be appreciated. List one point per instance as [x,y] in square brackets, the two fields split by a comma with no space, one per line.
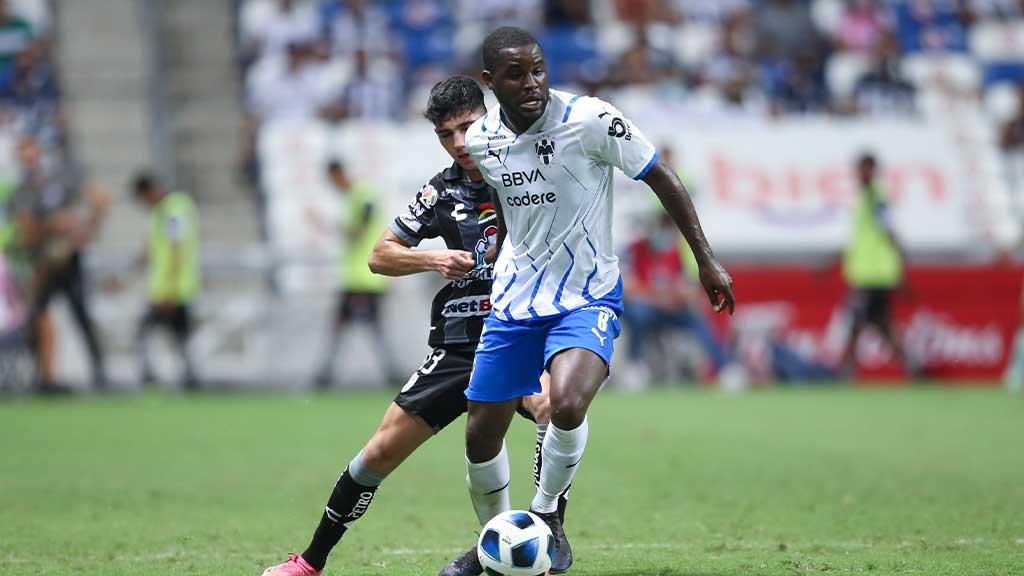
[348,502]
[537,454]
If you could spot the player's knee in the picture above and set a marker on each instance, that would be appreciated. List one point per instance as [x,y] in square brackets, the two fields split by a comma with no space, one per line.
[481,443]
[568,411]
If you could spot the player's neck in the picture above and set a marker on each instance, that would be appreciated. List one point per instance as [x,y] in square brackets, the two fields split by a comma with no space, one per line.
[474,175]
[517,125]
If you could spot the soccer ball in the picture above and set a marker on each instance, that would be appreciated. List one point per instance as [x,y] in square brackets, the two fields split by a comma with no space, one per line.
[516,543]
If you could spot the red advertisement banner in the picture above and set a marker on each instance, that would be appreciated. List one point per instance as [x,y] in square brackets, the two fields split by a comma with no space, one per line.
[958,323]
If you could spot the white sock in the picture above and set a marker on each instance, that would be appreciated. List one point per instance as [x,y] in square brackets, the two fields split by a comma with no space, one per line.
[563,450]
[488,486]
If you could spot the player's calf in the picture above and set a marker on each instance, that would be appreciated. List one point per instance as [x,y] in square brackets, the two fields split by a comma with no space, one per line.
[538,465]
[351,497]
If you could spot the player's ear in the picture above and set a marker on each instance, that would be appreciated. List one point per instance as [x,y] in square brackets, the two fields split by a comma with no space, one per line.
[488,80]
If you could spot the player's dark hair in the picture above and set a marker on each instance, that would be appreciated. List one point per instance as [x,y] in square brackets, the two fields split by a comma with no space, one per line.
[453,96]
[143,182]
[334,165]
[867,158]
[502,39]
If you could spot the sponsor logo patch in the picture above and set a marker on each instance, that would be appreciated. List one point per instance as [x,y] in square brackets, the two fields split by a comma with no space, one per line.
[428,196]
[411,222]
[519,178]
[466,307]
[532,199]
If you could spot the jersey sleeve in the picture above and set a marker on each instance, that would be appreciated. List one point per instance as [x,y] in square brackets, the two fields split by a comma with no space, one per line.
[418,221]
[609,137]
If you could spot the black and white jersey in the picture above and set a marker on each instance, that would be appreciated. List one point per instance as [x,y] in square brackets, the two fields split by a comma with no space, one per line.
[462,213]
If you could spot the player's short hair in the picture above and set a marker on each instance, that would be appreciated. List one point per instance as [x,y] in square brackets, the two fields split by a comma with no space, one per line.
[502,39]
[143,182]
[453,96]
[334,165]
[867,158]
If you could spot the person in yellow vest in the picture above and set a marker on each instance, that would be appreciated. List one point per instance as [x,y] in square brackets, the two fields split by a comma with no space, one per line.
[873,267]
[8,225]
[173,272]
[361,291]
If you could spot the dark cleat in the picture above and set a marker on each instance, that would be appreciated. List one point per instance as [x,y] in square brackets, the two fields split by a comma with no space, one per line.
[468,564]
[562,559]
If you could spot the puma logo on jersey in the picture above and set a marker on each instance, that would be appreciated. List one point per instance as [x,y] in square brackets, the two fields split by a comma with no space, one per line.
[519,178]
[599,337]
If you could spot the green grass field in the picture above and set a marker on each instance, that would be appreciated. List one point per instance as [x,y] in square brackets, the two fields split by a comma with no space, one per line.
[805,481]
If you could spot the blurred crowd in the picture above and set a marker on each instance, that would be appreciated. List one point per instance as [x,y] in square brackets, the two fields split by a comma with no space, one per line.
[340,59]
[48,214]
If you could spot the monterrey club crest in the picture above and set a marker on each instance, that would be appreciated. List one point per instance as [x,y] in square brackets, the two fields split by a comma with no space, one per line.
[545,150]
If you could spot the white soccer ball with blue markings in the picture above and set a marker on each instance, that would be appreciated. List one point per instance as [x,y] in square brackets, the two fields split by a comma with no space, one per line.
[516,543]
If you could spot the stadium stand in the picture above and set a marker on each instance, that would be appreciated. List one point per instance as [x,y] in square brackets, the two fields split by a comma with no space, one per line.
[739,87]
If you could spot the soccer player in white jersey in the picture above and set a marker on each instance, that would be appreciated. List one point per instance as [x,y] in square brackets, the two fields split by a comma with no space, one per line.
[557,295]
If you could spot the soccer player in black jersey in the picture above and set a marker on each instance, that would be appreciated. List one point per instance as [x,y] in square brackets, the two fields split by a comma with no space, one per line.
[455,205]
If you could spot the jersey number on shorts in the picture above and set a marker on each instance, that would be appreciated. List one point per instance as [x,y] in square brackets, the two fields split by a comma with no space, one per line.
[428,366]
[602,323]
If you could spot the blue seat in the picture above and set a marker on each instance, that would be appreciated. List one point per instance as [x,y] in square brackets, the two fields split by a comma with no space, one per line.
[569,51]
[1009,71]
[945,23]
[429,47]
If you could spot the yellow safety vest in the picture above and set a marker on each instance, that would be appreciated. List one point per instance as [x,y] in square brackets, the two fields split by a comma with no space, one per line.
[871,259]
[354,270]
[174,229]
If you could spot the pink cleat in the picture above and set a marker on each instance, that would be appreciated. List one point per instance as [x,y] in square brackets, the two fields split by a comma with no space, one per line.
[295,566]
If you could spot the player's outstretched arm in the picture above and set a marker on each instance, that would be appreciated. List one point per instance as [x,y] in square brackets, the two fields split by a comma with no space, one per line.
[392,256]
[673,195]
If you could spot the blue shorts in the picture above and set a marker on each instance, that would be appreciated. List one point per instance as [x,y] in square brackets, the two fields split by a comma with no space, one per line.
[513,354]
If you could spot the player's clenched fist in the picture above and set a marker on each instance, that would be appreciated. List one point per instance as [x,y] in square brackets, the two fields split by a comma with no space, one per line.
[718,286]
[453,264]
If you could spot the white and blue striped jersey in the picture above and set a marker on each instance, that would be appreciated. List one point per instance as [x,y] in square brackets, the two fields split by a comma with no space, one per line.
[554,182]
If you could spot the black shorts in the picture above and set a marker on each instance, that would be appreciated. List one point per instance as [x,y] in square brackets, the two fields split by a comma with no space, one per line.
[437,391]
[357,306]
[871,305]
[177,319]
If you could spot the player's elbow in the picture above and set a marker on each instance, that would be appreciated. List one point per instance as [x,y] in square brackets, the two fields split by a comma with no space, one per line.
[378,261]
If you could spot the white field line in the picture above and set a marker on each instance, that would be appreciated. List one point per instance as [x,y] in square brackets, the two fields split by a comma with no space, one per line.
[712,548]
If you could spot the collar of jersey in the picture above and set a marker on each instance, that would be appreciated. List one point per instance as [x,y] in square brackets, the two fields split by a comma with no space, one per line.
[455,173]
